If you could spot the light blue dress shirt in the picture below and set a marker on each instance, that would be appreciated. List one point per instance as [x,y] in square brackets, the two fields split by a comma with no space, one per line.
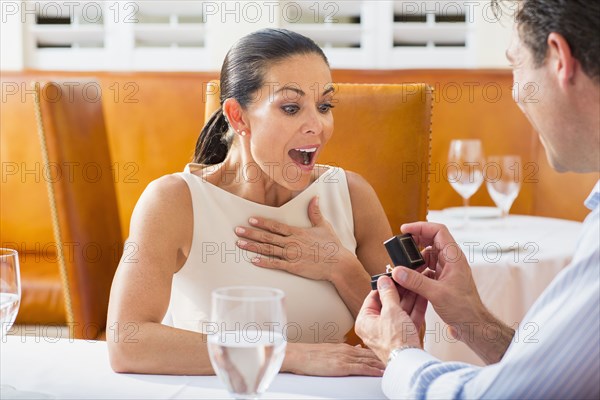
[555,352]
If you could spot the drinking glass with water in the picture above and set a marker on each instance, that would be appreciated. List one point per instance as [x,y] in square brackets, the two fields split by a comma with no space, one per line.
[10,289]
[246,343]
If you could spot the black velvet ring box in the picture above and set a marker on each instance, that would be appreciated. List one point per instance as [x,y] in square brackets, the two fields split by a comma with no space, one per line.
[403,251]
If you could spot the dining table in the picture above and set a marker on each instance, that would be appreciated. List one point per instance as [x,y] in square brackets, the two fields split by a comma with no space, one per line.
[40,367]
[512,259]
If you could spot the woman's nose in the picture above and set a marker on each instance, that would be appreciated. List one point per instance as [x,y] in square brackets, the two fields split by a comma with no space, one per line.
[314,124]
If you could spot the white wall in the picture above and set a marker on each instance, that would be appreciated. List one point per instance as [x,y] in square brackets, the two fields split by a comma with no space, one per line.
[11,37]
[492,36]
[230,23]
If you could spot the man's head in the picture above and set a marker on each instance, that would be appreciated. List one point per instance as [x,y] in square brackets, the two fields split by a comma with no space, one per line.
[555,55]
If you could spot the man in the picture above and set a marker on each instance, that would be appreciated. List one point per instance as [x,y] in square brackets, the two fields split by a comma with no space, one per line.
[555,44]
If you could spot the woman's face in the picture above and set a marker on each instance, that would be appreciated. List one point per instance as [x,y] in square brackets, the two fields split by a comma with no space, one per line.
[289,120]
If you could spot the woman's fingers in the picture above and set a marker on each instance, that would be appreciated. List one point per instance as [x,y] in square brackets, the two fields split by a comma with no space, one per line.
[264,249]
[261,236]
[271,226]
[329,359]
[365,370]
[372,362]
[272,263]
[366,363]
[307,252]
[360,361]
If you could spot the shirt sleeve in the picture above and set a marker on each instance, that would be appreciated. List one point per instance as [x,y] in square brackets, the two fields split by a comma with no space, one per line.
[415,374]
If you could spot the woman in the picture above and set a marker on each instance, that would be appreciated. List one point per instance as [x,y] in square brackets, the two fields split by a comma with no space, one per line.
[254,209]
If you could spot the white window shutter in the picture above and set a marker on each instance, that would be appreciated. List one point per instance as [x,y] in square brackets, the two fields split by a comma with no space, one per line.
[174,35]
[341,28]
[169,35]
[64,35]
[132,35]
[428,34]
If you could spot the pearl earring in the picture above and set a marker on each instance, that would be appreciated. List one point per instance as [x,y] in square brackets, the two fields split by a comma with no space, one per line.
[243,133]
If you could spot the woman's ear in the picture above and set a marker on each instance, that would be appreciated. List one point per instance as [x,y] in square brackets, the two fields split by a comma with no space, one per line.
[235,115]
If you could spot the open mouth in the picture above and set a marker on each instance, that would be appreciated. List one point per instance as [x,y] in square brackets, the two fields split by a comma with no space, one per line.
[304,156]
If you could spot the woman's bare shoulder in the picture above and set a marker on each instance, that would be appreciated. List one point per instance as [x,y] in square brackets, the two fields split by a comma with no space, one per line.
[165,194]
[366,206]
[359,187]
[164,212]
[361,191]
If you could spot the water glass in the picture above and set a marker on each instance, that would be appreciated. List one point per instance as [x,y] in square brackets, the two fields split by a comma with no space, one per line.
[246,341]
[10,289]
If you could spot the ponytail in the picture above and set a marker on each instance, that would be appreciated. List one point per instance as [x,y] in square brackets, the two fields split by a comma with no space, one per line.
[213,144]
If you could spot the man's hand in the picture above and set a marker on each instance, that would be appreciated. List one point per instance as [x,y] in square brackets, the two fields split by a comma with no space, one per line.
[452,292]
[386,321]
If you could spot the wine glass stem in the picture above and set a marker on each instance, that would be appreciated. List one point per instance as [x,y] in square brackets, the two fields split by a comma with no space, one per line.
[466,214]
[504,218]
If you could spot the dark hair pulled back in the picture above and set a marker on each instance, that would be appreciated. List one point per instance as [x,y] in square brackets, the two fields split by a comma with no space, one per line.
[242,75]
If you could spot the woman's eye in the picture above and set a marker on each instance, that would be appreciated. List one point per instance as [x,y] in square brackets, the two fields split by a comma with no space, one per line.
[290,109]
[325,107]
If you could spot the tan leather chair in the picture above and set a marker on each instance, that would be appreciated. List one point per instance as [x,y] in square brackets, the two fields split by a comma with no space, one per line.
[72,134]
[371,119]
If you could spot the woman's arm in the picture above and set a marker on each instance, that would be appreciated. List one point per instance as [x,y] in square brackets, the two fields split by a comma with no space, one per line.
[159,241]
[371,226]
[371,229]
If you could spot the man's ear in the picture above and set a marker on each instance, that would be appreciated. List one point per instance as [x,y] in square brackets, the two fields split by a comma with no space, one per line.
[561,60]
[235,115]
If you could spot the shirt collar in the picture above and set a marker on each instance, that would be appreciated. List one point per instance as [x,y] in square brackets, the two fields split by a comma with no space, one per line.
[594,198]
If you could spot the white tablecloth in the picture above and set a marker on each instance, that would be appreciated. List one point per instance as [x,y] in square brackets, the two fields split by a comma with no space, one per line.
[512,260]
[76,369]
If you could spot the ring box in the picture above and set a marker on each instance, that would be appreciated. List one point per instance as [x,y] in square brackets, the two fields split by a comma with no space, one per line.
[403,251]
[375,277]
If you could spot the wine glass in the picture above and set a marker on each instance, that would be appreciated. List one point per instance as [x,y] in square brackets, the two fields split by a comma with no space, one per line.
[246,344]
[503,180]
[465,169]
[10,289]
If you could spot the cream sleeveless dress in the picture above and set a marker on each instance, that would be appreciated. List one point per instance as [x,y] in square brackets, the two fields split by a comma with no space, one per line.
[315,311]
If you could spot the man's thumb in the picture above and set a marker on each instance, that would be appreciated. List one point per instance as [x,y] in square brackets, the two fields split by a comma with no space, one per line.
[314,211]
[414,281]
[388,293]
